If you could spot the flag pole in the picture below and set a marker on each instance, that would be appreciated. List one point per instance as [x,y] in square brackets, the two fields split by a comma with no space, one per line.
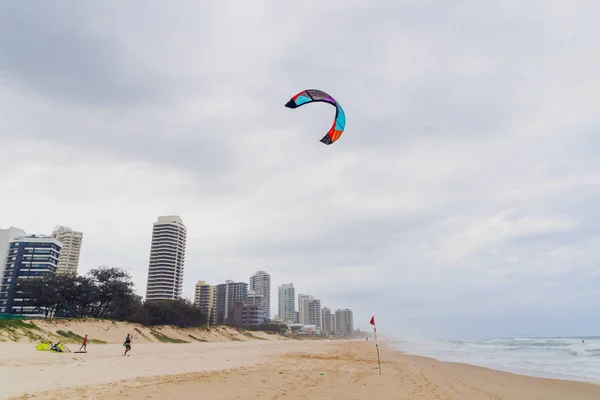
[376,344]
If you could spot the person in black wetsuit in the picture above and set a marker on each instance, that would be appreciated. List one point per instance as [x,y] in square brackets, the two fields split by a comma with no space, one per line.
[127,344]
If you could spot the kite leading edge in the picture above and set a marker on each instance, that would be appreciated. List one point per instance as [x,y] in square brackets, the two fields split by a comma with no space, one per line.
[314,95]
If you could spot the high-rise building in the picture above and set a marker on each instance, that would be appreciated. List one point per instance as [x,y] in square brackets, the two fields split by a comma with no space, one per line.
[333,324]
[344,322]
[287,306]
[28,257]
[227,294]
[326,326]
[6,236]
[314,312]
[205,299]
[260,283]
[167,259]
[303,308]
[71,248]
[309,309]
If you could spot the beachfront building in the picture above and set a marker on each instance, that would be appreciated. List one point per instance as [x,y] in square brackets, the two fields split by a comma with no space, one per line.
[227,294]
[28,257]
[309,310]
[344,322]
[254,299]
[314,313]
[246,315]
[300,329]
[71,248]
[260,283]
[6,236]
[287,306]
[205,299]
[257,300]
[333,326]
[167,259]
[326,327]
[303,308]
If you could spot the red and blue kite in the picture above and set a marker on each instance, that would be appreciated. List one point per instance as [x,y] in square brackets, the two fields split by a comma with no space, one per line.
[312,96]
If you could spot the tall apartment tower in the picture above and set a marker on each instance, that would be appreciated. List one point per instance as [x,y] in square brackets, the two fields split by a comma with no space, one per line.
[167,259]
[28,257]
[303,308]
[205,299]
[227,294]
[287,300]
[260,283]
[344,322]
[309,310]
[7,236]
[69,254]
[326,319]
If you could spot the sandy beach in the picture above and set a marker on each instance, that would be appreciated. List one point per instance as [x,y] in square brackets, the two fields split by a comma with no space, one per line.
[261,370]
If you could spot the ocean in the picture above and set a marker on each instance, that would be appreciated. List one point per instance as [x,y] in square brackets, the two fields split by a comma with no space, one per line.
[562,358]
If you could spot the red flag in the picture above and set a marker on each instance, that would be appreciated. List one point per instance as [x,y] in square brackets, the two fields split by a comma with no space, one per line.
[372,320]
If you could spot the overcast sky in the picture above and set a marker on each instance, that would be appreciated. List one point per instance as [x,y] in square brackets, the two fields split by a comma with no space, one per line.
[462,199]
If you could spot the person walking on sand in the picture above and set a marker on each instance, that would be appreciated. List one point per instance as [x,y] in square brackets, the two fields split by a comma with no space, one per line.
[127,344]
[84,344]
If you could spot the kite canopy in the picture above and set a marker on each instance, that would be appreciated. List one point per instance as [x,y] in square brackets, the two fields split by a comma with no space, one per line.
[47,346]
[314,95]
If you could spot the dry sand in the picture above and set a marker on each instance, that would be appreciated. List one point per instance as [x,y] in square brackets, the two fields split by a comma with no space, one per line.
[262,370]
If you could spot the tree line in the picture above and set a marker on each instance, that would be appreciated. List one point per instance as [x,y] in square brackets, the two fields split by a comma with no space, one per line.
[104,292]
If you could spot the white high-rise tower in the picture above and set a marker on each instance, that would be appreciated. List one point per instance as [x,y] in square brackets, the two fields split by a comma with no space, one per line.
[287,303]
[71,248]
[309,310]
[6,236]
[167,259]
[260,283]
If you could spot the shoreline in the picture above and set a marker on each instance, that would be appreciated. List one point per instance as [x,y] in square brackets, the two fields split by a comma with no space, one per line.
[504,371]
[512,370]
[253,370]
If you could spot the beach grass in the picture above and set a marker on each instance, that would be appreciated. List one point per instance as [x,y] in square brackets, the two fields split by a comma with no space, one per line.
[250,335]
[142,334]
[164,338]
[75,338]
[12,324]
[196,339]
[14,329]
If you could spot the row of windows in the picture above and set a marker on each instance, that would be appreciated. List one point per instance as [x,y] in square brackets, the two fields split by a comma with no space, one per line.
[30,245]
[31,264]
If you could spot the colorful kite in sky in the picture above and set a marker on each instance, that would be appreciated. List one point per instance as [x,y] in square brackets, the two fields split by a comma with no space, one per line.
[313,95]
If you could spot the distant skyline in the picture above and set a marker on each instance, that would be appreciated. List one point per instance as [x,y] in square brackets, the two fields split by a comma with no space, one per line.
[461,200]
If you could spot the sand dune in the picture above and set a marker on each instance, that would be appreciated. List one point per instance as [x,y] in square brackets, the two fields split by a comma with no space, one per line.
[70,331]
[264,370]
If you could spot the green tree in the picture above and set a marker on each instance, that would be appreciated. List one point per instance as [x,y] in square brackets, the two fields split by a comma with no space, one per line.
[106,292]
[52,294]
[78,297]
[111,287]
[181,313]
